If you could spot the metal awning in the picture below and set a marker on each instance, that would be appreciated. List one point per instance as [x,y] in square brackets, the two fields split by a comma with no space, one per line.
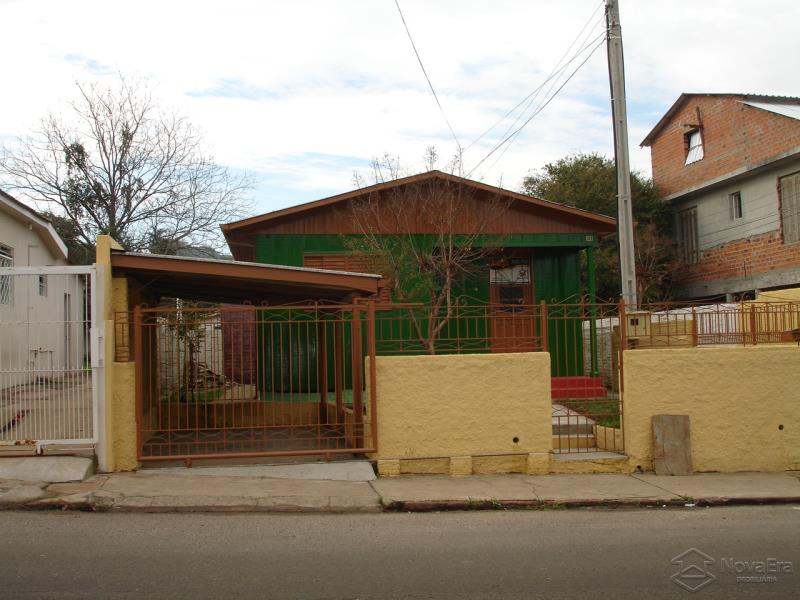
[215,280]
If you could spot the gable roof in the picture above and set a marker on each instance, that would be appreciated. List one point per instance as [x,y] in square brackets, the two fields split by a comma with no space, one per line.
[756,100]
[598,223]
[39,223]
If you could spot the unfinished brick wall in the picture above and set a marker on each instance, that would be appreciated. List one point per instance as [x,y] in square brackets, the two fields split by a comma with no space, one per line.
[742,258]
[735,136]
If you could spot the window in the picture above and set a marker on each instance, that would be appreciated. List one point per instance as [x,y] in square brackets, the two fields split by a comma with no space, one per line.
[344,261]
[43,285]
[6,260]
[790,207]
[687,232]
[693,141]
[735,200]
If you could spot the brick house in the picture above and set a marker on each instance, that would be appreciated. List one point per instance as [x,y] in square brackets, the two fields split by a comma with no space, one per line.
[729,165]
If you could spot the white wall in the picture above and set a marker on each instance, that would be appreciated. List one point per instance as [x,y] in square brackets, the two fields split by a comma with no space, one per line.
[44,333]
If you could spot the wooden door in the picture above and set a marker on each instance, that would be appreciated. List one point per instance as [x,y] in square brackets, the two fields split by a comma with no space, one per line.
[512,315]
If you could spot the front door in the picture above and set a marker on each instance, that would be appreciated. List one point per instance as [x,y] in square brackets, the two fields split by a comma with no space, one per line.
[513,323]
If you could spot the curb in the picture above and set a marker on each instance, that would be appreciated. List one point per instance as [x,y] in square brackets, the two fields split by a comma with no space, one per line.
[251,505]
[466,505]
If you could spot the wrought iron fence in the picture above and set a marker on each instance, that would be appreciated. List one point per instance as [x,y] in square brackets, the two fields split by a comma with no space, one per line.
[242,380]
[253,381]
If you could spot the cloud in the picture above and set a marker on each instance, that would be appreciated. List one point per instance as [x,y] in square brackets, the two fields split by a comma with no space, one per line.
[303,93]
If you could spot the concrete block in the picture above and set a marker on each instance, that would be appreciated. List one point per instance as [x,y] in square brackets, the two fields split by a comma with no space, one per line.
[51,469]
[538,463]
[460,466]
[389,467]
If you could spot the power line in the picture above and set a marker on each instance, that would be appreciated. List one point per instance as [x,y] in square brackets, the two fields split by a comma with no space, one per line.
[424,72]
[538,110]
[539,107]
[549,77]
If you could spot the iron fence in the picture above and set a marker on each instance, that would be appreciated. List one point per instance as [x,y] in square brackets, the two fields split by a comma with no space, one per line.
[252,381]
[47,382]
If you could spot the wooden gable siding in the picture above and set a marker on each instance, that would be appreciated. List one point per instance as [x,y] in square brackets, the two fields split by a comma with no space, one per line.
[516,218]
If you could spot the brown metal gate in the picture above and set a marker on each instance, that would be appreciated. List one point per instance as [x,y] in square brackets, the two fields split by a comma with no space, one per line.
[238,381]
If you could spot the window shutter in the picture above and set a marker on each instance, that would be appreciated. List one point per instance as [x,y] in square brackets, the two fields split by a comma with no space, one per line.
[342,261]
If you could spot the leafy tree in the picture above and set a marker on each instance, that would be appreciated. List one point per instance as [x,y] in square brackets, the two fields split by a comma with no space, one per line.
[119,165]
[589,181]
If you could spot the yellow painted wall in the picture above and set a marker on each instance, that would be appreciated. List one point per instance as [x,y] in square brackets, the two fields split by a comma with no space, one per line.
[123,431]
[448,406]
[787,295]
[736,398]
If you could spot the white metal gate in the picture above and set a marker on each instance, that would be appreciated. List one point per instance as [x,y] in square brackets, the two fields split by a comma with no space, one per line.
[48,365]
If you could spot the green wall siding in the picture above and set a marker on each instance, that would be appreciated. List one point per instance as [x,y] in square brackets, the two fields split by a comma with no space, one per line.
[556,275]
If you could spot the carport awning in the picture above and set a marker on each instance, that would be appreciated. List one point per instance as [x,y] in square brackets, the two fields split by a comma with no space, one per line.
[214,280]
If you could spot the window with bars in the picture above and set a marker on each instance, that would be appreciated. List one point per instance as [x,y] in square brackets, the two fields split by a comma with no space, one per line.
[687,235]
[735,200]
[693,141]
[790,207]
[43,285]
[6,260]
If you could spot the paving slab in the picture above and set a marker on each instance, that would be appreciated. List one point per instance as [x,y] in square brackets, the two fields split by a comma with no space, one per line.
[22,494]
[164,493]
[357,470]
[78,487]
[590,489]
[426,488]
[52,469]
[733,486]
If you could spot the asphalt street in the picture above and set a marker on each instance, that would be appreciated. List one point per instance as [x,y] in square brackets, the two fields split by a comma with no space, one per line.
[577,553]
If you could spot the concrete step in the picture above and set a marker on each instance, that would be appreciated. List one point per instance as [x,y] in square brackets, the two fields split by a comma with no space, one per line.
[50,469]
[566,421]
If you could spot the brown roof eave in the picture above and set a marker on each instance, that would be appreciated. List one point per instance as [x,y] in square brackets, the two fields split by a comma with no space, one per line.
[281,275]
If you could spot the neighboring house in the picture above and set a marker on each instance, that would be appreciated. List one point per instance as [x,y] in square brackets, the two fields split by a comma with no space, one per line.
[541,257]
[729,165]
[41,315]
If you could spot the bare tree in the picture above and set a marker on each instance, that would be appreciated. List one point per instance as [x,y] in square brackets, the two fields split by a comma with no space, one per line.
[424,237]
[121,166]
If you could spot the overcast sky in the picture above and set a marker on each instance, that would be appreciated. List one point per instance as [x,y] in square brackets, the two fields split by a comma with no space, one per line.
[302,93]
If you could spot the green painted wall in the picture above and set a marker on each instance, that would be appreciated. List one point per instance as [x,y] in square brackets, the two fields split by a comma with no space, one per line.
[556,277]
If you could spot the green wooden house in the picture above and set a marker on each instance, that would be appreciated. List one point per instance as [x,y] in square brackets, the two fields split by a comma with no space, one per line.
[540,258]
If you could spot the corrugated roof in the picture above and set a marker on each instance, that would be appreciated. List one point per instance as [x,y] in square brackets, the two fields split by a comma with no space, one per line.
[787,110]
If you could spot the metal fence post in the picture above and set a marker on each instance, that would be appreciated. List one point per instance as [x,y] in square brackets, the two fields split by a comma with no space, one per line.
[357,367]
[543,325]
[138,373]
[373,385]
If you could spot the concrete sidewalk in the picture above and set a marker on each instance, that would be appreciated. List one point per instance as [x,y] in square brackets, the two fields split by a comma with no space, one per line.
[151,491]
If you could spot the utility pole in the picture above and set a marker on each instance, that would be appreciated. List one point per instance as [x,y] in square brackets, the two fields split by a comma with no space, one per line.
[616,75]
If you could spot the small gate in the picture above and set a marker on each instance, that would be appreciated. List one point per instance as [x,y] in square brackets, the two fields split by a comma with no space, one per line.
[48,373]
[238,381]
